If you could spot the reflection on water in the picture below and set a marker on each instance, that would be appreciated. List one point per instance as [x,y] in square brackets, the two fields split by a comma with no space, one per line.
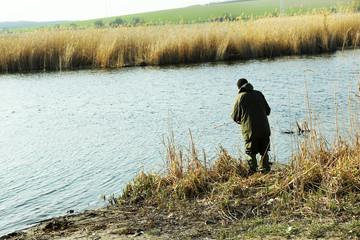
[68,137]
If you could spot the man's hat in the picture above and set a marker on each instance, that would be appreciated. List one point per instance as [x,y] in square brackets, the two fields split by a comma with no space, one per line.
[241,82]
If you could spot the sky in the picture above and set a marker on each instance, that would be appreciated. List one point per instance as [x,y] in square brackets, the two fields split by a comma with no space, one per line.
[74,10]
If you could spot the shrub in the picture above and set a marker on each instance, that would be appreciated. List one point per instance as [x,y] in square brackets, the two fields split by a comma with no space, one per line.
[117,22]
[99,23]
[137,21]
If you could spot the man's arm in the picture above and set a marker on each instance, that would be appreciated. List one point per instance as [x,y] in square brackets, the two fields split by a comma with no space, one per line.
[267,107]
[236,113]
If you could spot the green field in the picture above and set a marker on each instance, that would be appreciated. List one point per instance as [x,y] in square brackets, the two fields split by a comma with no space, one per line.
[213,12]
[244,9]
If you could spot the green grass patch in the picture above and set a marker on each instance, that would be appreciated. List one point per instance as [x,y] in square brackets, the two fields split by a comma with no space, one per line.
[287,229]
[246,9]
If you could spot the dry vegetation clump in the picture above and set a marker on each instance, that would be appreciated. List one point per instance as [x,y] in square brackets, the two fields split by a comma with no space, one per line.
[320,179]
[61,49]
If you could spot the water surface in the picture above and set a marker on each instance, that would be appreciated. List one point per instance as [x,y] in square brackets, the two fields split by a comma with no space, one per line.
[68,137]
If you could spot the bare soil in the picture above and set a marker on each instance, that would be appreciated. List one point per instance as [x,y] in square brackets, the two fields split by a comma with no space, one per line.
[195,219]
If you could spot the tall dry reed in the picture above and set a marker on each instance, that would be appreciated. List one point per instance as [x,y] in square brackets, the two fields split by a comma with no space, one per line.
[321,178]
[62,49]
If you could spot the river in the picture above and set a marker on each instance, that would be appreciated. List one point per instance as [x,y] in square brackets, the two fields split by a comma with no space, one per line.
[69,137]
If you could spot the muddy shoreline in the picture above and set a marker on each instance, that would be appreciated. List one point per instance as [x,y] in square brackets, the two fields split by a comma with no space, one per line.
[195,219]
[128,221]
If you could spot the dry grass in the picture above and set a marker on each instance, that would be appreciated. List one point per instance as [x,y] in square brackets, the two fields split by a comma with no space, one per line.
[318,180]
[322,178]
[63,49]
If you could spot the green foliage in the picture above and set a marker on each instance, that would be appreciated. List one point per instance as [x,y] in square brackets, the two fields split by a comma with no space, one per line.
[98,23]
[117,22]
[319,231]
[112,200]
[135,21]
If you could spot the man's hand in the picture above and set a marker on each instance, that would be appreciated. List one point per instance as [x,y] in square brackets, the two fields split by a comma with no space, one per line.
[238,122]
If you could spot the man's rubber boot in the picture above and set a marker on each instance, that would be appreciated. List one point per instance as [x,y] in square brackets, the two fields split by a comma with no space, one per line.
[252,161]
[264,166]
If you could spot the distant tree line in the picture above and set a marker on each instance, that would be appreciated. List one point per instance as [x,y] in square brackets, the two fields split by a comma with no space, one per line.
[226,17]
[119,22]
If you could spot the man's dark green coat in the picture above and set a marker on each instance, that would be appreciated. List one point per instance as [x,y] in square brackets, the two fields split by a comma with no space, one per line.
[251,111]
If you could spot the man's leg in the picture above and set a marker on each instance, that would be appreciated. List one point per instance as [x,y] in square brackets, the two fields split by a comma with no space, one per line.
[252,161]
[251,151]
[264,165]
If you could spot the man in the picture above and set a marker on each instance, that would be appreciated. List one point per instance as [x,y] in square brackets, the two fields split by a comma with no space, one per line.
[250,111]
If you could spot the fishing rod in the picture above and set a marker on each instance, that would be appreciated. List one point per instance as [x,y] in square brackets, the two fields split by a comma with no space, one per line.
[225,124]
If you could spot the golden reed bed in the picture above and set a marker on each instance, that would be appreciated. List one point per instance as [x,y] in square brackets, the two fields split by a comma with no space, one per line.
[63,49]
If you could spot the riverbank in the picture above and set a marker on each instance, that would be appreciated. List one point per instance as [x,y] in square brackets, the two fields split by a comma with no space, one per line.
[193,219]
